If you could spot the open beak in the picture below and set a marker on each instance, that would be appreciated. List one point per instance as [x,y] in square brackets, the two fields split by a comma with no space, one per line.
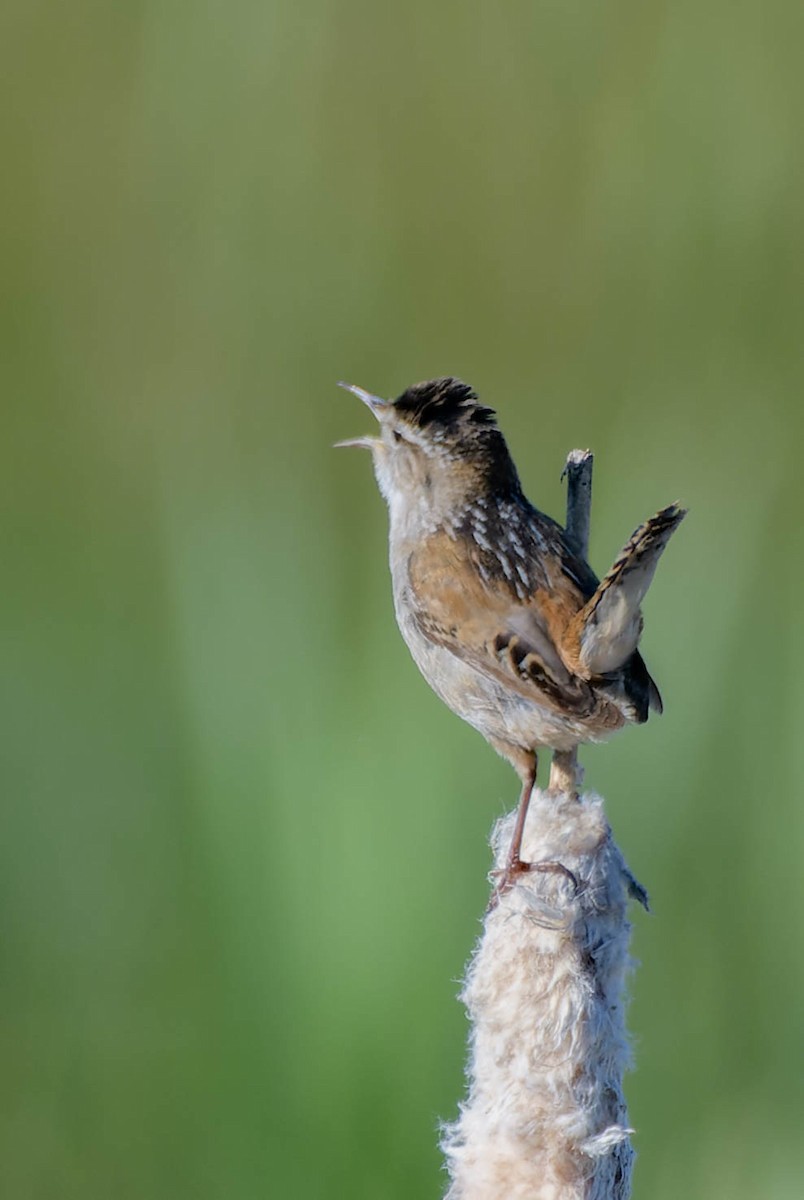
[375,403]
[377,406]
[367,443]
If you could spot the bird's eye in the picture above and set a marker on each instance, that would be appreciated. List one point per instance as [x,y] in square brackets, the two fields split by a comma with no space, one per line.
[398,437]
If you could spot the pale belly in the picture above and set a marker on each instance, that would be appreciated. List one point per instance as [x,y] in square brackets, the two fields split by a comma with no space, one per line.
[490,707]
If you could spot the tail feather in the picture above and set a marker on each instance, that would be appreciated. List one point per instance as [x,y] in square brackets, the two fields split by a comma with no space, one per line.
[609,625]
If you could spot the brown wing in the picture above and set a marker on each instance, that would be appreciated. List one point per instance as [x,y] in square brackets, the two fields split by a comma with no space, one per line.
[481,606]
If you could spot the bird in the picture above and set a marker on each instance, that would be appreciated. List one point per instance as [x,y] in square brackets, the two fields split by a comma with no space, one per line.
[503,616]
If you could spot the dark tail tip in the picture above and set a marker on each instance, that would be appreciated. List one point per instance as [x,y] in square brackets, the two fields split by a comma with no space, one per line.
[671,516]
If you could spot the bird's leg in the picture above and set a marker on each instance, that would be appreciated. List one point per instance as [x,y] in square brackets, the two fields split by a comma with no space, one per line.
[515,866]
[515,863]
[564,772]
[526,765]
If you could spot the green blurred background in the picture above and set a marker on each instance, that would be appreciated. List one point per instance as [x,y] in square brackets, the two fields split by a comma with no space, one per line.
[243,851]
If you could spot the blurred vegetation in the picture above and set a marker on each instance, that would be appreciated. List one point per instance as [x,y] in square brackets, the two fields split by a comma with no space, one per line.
[243,846]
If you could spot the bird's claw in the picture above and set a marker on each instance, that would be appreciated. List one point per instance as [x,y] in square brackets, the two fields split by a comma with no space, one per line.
[507,876]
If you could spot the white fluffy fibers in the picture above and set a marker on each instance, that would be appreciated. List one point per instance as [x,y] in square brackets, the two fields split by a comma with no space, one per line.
[545,1117]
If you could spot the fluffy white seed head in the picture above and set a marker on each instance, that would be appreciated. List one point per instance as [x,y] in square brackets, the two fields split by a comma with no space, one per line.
[545,1117]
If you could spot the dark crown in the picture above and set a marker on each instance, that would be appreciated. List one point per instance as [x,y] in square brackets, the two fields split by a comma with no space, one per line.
[446,402]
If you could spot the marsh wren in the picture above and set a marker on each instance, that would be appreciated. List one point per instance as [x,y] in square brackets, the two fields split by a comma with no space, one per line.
[506,621]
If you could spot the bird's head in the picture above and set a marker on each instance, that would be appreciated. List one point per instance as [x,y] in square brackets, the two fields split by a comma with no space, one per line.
[437,444]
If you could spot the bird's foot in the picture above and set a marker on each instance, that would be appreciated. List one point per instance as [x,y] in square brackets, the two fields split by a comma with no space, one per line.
[507,876]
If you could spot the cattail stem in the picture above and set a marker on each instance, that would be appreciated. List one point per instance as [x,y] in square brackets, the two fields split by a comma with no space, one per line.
[578,471]
[545,1116]
[565,773]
